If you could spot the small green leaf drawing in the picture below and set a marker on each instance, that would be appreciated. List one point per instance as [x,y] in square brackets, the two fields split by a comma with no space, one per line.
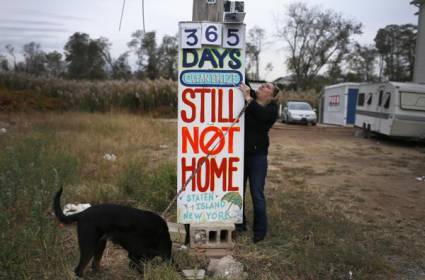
[233,198]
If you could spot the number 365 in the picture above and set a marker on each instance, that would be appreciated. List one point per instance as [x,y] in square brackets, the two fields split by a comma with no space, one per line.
[194,35]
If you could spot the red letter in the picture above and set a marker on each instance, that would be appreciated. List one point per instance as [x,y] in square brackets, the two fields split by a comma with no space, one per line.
[189,168]
[232,168]
[220,106]
[231,119]
[201,163]
[213,105]
[218,171]
[186,101]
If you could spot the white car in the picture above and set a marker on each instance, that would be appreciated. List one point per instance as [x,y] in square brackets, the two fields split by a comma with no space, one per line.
[299,112]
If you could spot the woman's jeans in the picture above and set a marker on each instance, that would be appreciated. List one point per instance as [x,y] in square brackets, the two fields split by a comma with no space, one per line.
[255,171]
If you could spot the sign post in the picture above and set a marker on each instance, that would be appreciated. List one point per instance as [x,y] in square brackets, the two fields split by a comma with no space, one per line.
[211,66]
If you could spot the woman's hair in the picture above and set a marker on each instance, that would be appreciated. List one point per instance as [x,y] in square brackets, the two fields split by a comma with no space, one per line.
[275,90]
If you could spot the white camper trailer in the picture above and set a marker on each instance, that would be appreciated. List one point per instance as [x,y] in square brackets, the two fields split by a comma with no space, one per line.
[338,104]
[393,109]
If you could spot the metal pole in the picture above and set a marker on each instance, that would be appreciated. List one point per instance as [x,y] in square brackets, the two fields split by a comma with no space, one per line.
[143,14]
[419,72]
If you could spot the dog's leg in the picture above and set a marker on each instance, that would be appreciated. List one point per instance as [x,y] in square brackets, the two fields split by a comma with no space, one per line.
[98,254]
[87,240]
[135,263]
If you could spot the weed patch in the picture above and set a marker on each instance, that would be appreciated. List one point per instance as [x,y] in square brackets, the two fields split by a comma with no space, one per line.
[30,245]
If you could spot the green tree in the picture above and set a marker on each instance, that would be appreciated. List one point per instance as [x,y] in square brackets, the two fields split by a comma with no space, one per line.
[4,64]
[167,57]
[362,62]
[315,38]
[144,46]
[86,58]
[121,70]
[55,66]
[11,52]
[149,45]
[255,43]
[396,46]
[35,58]
[136,45]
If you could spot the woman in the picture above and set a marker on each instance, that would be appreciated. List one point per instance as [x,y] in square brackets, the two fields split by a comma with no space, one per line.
[260,115]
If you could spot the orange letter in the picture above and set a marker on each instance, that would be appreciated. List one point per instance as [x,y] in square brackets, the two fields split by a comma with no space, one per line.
[231,134]
[187,137]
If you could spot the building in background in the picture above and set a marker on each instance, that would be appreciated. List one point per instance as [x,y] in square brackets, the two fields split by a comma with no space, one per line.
[338,104]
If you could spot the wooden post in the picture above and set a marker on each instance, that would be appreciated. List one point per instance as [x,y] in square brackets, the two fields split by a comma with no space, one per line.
[202,11]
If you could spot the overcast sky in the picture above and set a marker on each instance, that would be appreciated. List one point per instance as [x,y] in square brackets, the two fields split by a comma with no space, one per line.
[51,22]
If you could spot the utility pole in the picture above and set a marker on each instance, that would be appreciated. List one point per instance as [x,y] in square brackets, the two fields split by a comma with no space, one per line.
[208,10]
[419,72]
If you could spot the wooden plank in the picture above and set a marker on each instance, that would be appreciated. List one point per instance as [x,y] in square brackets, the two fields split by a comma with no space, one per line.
[202,11]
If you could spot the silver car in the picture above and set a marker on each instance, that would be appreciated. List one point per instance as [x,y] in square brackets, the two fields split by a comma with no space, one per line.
[299,112]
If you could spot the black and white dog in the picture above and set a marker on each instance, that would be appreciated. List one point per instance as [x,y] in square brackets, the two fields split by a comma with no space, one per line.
[142,233]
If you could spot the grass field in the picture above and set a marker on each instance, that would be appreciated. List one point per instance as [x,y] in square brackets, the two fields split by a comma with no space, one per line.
[316,231]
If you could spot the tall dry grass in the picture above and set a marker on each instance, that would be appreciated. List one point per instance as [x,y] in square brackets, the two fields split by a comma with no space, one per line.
[43,151]
[98,96]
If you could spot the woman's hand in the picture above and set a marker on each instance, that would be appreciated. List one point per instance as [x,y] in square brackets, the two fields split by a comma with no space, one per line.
[246,90]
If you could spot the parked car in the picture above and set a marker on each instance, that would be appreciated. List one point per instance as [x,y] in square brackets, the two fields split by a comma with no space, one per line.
[299,112]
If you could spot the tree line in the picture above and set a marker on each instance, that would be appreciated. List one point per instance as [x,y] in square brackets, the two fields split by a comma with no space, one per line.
[320,49]
[88,58]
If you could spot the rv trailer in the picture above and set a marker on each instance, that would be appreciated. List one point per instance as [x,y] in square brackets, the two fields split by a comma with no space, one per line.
[393,109]
[338,104]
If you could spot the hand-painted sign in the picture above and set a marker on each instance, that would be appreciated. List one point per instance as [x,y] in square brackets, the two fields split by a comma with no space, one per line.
[211,65]
[334,100]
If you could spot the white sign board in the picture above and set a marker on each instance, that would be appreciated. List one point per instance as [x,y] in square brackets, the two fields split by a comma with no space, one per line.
[208,103]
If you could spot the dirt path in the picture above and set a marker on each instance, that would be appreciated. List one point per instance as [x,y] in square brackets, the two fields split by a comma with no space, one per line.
[370,175]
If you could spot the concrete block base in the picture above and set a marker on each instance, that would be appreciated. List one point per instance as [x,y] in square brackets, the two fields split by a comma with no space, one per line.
[177,232]
[211,236]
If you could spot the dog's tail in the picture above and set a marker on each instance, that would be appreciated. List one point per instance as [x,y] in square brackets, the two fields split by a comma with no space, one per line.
[58,210]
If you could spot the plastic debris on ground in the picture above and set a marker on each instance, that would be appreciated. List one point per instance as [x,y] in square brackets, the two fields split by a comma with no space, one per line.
[182,248]
[70,209]
[110,157]
[420,178]
[226,267]
[194,273]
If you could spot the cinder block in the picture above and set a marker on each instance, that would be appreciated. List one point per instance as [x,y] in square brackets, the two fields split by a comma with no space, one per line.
[211,252]
[177,232]
[211,235]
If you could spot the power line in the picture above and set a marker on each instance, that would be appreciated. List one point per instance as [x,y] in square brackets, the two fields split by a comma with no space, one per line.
[122,14]
[143,15]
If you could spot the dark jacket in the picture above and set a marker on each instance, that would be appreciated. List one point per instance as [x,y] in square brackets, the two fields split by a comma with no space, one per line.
[258,121]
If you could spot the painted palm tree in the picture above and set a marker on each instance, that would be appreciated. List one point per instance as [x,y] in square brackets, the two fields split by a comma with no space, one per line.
[233,198]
